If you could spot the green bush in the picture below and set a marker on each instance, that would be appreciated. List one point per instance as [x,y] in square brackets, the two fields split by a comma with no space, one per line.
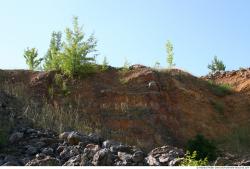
[203,147]
[191,160]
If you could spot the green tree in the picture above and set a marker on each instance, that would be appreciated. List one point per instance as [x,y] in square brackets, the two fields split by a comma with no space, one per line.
[30,56]
[52,58]
[216,65]
[170,54]
[75,59]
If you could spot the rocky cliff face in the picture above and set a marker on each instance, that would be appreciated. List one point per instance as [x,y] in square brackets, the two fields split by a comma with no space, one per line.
[140,106]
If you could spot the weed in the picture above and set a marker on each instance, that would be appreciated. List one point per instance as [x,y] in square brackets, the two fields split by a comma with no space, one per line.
[191,160]
[219,89]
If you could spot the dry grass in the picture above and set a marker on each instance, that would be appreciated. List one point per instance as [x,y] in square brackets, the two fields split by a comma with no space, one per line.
[45,115]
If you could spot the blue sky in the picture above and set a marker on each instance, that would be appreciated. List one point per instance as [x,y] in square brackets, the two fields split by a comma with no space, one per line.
[135,29]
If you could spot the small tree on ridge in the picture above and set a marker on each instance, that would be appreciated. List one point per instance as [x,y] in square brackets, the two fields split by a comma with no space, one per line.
[30,56]
[170,54]
[216,65]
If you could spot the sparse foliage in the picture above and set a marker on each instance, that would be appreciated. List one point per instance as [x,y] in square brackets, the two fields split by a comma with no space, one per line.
[170,54]
[30,56]
[191,160]
[52,58]
[216,65]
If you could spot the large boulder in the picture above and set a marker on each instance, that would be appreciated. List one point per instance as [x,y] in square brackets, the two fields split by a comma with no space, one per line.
[165,156]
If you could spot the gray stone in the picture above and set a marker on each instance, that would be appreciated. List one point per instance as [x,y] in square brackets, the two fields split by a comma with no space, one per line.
[15,137]
[64,135]
[176,162]
[125,158]
[109,143]
[47,161]
[138,156]
[103,158]
[11,163]
[95,138]
[48,151]
[91,149]
[31,150]
[165,155]
[79,160]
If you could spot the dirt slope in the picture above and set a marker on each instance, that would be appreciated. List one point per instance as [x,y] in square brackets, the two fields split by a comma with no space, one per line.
[141,106]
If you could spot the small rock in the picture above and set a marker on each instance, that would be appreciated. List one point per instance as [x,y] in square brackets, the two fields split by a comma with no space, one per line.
[164,155]
[109,143]
[48,151]
[125,158]
[138,156]
[31,150]
[40,156]
[15,137]
[95,138]
[74,138]
[176,162]
[64,135]
[11,163]
[91,149]
[103,158]
[47,161]
[60,149]
[79,160]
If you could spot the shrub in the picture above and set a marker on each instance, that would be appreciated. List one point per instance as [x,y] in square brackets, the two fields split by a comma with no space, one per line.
[203,147]
[191,160]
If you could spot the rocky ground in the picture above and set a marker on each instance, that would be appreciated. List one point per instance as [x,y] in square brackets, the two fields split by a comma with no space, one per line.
[32,147]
